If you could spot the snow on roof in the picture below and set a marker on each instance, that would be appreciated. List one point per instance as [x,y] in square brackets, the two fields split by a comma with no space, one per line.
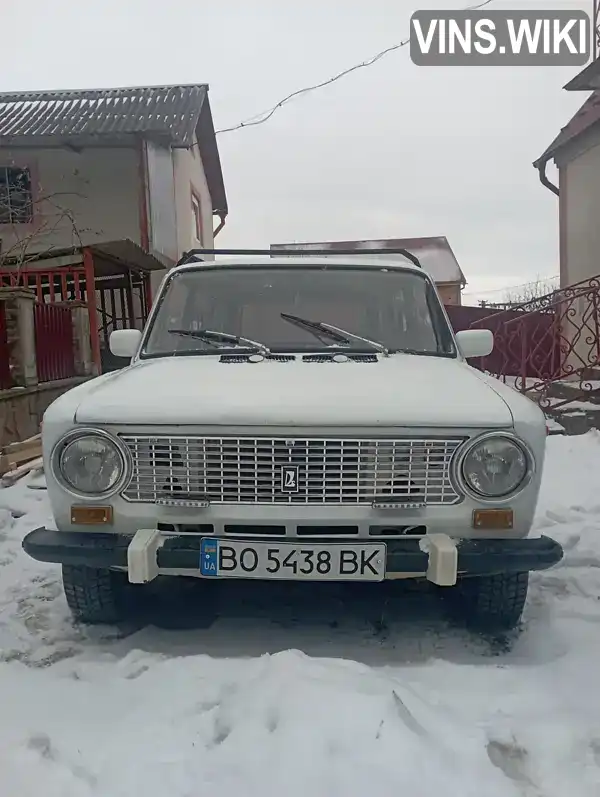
[177,112]
[171,110]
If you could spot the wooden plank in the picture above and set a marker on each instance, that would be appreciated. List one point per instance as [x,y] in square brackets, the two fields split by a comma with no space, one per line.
[14,475]
[32,450]
[12,460]
[21,444]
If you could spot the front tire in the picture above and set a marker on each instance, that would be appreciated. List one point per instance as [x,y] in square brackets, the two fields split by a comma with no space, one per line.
[94,595]
[491,604]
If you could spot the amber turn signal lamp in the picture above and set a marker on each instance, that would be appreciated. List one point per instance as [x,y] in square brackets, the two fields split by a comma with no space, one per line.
[493,519]
[91,515]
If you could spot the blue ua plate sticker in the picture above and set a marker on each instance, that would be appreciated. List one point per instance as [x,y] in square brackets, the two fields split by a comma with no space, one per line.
[209,557]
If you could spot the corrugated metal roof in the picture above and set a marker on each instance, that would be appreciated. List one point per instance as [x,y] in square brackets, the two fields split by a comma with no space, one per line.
[53,118]
[434,253]
[164,110]
[586,116]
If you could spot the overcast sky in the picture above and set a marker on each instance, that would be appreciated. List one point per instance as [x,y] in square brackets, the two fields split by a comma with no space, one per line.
[390,151]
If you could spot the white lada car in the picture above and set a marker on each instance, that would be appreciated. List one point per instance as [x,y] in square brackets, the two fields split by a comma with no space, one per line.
[301,418]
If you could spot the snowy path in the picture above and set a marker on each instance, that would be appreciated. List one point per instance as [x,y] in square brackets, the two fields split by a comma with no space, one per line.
[235,709]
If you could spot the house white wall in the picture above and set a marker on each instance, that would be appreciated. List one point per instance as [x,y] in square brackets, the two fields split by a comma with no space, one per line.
[94,196]
[98,188]
[579,238]
[190,178]
[579,200]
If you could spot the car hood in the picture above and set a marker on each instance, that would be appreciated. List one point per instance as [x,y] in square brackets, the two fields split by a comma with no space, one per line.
[401,390]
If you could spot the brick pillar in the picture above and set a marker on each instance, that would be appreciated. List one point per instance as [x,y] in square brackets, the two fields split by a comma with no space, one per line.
[20,329]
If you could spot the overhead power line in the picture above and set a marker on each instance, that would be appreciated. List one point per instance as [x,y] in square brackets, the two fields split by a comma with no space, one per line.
[263,117]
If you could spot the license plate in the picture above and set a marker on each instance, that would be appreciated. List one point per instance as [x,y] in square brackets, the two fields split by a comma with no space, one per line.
[290,561]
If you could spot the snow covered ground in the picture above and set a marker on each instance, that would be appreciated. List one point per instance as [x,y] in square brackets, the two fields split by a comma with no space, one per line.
[324,694]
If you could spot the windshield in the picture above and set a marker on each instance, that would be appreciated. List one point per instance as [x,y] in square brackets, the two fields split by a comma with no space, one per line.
[395,308]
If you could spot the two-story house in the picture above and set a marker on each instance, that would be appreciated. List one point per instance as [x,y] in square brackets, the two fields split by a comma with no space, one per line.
[100,191]
[124,179]
[88,167]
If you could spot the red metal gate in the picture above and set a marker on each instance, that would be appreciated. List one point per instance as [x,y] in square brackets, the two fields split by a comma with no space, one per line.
[54,343]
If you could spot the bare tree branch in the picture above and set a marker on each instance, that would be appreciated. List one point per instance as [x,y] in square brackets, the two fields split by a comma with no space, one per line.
[522,294]
[534,290]
[50,214]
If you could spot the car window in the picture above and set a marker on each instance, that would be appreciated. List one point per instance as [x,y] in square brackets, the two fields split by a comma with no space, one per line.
[393,307]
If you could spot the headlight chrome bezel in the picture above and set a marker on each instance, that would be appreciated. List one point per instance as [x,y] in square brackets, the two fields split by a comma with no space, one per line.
[77,434]
[473,443]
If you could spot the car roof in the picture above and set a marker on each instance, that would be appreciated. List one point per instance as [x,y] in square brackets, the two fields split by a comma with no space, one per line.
[288,261]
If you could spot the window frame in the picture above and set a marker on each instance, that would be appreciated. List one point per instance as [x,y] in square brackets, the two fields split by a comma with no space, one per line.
[196,204]
[29,169]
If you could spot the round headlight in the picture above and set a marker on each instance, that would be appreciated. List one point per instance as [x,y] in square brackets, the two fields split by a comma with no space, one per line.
[91,464]
[495,467]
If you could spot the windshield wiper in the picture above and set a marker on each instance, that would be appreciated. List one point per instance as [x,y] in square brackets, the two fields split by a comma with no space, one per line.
[333,333]
[223,338]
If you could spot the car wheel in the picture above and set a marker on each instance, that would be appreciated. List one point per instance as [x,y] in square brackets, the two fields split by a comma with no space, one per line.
[94,595]
[491,603]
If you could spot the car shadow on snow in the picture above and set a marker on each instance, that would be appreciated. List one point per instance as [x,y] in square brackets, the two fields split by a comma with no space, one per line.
[397,622]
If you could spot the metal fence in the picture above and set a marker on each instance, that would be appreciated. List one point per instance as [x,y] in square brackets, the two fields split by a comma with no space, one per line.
[527,342]
[54,343]
[548,339]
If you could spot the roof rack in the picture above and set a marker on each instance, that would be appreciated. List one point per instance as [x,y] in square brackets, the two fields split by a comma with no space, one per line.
[195,255]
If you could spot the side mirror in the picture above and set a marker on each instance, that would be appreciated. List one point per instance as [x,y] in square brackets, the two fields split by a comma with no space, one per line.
[475,342]
[124,342]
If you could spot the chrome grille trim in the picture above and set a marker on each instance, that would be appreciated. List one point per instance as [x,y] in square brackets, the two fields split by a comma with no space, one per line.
[331,471]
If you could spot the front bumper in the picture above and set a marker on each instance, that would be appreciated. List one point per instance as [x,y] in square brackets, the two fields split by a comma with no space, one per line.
[149,553]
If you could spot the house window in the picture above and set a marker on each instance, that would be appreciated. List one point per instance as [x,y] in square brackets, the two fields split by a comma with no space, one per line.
[16,199]
[196,218]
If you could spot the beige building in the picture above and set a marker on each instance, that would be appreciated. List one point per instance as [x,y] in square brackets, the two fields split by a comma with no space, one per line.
[434,254]
[576,154]
[81,168]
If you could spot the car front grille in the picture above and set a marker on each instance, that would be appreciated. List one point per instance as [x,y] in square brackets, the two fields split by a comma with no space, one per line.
[330,471]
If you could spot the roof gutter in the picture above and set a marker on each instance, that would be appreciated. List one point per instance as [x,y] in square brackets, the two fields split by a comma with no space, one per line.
[223,218]
[541,167]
